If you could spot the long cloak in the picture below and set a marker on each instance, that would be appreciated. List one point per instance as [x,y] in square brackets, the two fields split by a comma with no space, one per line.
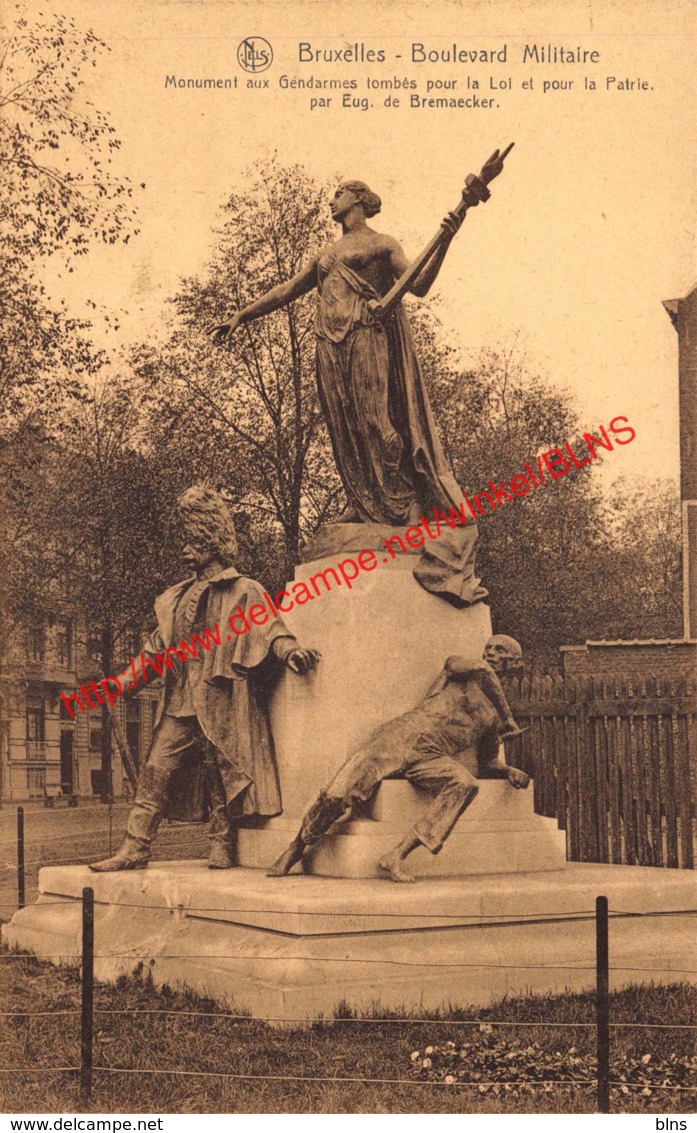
[229,697]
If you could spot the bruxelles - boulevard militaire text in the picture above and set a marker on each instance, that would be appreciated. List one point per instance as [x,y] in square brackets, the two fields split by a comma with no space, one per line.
[453,53]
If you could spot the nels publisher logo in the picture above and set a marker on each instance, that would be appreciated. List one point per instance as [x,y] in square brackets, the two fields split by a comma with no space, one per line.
[254,54]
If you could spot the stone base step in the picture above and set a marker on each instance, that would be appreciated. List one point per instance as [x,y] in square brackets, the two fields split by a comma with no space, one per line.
[294,947]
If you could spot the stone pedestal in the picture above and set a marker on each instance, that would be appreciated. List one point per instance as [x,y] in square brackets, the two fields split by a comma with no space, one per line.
[499,833]
[295,947]
[383,643]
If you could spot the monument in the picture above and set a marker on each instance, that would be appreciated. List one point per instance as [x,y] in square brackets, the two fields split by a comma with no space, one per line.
[500,896]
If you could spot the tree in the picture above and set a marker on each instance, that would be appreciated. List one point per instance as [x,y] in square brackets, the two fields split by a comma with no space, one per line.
[45,355]
[90,520]
[248,417]
[642,519]
[555,562]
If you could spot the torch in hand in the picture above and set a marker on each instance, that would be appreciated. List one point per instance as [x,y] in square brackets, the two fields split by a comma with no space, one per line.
[474,192]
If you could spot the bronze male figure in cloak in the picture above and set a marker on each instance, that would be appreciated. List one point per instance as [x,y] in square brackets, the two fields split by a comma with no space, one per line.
[215,701]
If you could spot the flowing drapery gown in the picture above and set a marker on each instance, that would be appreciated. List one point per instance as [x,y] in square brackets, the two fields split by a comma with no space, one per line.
[383,434]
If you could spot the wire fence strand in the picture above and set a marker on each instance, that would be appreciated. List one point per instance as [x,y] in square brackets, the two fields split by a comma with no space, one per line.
[415,915]
[455,964]
[40,1070]
[37,1014]
[338,1081]
[407,1020]
[360,960]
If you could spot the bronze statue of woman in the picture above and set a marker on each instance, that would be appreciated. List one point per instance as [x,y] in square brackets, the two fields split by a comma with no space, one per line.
[371,388]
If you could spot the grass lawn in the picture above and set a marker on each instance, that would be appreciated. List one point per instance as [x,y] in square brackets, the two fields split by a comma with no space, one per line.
[335,1049]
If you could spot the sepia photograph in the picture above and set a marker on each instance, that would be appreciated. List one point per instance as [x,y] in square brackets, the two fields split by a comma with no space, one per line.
[348,539]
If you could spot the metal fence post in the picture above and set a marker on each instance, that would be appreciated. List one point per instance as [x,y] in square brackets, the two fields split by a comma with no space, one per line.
[602,1003]
[87,1025]
[21,888]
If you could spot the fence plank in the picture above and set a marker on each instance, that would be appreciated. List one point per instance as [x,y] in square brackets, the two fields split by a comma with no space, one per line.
[627,784]
[671,810]
[598,726]
[588,786]
[685,801]
[642,769]
[661,784]
[561,785]
[572,814]
[653,802]
[614,762]
[614,724]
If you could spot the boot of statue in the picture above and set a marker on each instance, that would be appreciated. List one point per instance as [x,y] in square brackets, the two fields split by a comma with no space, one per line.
[221,833]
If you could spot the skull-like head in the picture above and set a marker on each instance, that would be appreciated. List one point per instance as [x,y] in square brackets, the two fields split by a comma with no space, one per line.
[504,654]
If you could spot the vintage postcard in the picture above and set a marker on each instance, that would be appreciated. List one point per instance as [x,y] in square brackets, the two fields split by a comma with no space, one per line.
[349,558]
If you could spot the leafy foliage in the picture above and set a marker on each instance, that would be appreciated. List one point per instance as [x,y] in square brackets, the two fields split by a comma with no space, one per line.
[59,190]
[497,1063]
[90,525]
[556,560]
[92,537]
[59,194]
[642,520]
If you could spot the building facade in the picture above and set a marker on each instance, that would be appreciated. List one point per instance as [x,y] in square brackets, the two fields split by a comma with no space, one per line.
[44,753]
[683,315]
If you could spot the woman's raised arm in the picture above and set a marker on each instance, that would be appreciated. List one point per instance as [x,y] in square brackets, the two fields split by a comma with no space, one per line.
[277,297]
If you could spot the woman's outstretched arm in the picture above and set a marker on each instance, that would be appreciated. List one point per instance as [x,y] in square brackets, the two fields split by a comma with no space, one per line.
[277,297]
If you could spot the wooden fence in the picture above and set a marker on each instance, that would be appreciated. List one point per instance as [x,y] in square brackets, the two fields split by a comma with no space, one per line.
[615,761]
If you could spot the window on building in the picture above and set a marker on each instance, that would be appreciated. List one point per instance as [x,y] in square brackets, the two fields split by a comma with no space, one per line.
[36,645]
[133,712]
[35,723]
[95,739]
[94,646]
[65,712]
[132,645]
[36,780]
[63,645]
[97,782]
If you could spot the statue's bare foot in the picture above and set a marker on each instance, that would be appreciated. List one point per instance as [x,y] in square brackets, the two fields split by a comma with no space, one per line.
[390,865]
[414,515]
[285,863]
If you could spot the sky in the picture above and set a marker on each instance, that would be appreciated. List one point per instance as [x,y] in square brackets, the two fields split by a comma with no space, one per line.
[588,230]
